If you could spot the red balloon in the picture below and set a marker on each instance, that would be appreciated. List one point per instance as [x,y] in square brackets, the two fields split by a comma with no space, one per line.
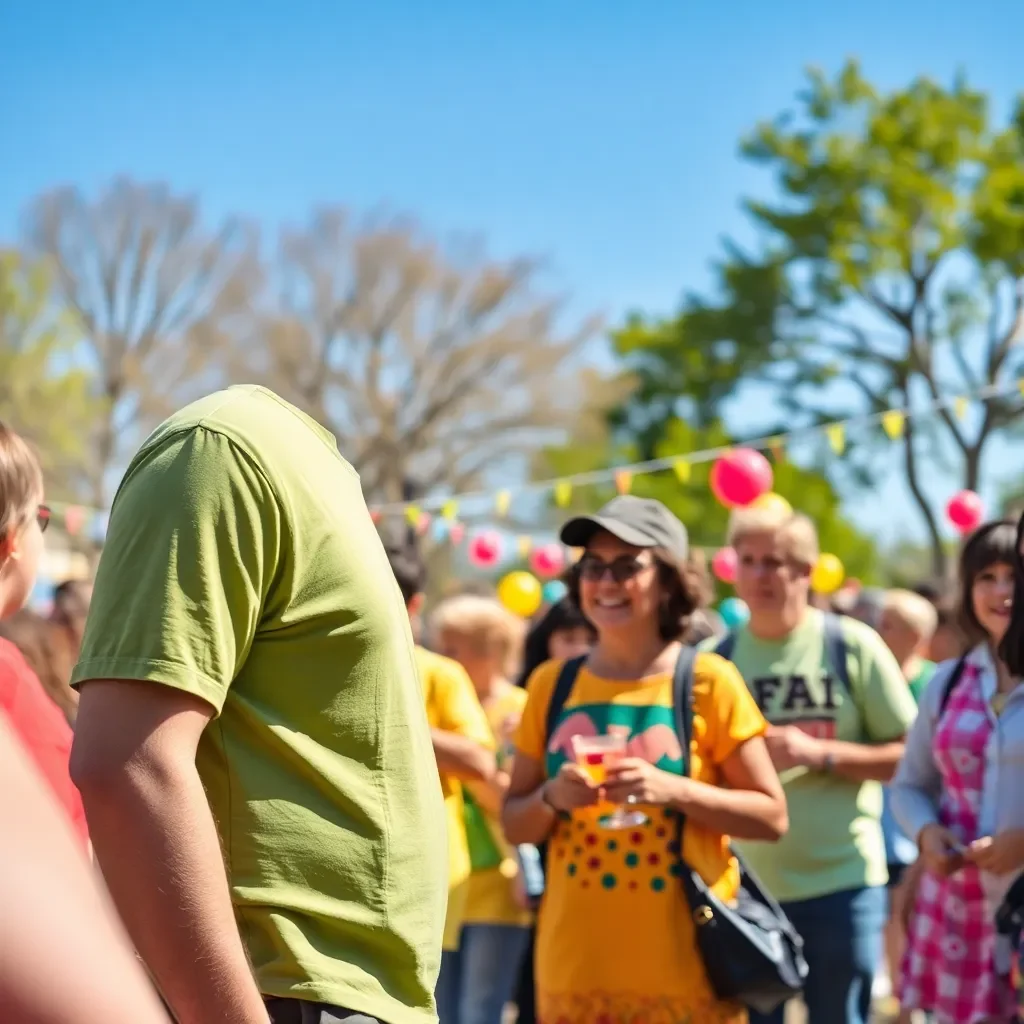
[547,560]
[724,564]
[485,549]
[965,511]
[740,477]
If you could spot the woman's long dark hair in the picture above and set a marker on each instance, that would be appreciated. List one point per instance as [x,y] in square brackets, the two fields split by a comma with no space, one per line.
[563,615]
[1011,650]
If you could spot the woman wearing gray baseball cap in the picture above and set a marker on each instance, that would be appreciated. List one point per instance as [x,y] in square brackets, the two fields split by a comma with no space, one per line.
[598,777]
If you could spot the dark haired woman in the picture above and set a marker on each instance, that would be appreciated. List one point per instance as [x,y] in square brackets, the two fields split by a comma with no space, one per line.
[615,940]
[958,791]
[561,633]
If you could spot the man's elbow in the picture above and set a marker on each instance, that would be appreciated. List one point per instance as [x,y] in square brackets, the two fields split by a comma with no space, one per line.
[479,764]
[110,775]
[774,823]
[95,771]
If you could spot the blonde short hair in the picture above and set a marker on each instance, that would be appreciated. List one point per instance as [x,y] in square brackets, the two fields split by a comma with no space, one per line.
[21,481]
[913,610]
[486,624]
[796,531]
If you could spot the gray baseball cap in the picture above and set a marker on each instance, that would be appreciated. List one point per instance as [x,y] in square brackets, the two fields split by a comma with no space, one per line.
[643,522]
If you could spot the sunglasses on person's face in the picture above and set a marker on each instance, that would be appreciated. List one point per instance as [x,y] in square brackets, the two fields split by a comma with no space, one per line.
[621,569]
[43,517]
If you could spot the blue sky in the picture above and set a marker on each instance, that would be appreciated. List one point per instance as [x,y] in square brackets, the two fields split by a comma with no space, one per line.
[601,135]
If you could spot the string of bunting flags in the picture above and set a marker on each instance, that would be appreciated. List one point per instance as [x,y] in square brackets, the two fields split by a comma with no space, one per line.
[442,513]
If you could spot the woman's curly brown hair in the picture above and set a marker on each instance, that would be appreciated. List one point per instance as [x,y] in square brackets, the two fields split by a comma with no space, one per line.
[684,589]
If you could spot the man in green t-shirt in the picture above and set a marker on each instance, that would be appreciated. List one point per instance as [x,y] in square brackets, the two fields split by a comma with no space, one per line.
[248,654]
[836,732]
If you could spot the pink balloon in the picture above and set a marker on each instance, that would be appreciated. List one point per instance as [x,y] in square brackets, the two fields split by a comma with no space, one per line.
[485,549]
[740,477]
[724,564]
[965,511]
[547,560]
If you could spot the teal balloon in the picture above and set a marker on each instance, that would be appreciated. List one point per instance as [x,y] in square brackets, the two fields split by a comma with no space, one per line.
[734,612]
[554,591]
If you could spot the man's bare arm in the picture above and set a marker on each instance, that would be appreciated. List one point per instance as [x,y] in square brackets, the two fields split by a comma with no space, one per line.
[462,757]
[66,960]
[134,762]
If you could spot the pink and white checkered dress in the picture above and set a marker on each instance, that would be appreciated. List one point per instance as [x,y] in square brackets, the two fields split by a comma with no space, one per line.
[949,966]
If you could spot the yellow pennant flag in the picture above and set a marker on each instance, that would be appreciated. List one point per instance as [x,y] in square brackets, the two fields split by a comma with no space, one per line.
[683,470]
[501,502]
[960,407]
[563,493]
[892,423]
[837,437]
[412,514]
[623,481]
[1020,385]
[449,510]
[523,546]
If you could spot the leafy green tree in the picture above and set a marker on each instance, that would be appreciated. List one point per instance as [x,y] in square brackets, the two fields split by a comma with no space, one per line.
[888,271]
[44,395]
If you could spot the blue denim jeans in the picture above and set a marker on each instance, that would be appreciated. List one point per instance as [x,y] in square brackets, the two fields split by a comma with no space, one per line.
[479,978]
[842,935]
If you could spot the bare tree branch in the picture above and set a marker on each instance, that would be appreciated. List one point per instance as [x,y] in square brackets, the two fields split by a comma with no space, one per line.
[420,358]
[153,292]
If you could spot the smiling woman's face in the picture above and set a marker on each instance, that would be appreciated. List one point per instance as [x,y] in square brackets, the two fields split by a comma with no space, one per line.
[619,587]
[992,598]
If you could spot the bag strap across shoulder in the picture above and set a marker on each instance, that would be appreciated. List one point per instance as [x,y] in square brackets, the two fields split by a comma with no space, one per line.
[836,650]
[560,694]
[954,677]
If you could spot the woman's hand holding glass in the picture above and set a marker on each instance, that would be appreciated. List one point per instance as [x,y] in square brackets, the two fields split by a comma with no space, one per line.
[571,789]
[636,781]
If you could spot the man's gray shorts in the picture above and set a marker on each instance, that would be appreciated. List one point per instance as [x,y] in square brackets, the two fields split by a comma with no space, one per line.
[298,1011]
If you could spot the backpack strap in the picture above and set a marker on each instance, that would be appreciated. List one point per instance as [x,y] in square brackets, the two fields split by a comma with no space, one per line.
[560,694]
[836,651]
[954,677]
[682,708]
[682,701]
[726,646]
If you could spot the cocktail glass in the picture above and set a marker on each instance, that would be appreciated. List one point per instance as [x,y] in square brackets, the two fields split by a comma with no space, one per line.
[595,755]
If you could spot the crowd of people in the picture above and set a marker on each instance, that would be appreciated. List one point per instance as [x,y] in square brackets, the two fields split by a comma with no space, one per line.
[309,797]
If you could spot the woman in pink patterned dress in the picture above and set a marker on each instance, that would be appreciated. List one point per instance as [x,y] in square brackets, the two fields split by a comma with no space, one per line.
[958,791]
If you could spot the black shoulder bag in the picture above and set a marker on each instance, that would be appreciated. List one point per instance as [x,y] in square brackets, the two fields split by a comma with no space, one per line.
[751,951]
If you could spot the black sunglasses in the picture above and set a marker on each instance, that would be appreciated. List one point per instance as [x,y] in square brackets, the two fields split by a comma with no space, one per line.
[43,517]
[621,569]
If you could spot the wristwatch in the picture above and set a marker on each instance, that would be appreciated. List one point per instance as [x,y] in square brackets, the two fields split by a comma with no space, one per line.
[828,762]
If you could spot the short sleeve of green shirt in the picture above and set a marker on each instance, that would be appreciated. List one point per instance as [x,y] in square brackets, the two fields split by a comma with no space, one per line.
[887,706]
[191,548]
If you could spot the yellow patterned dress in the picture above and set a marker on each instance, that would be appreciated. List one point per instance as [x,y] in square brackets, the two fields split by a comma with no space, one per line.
[615,940]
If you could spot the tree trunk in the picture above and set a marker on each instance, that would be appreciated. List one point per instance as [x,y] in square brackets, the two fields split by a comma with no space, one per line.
[939,560]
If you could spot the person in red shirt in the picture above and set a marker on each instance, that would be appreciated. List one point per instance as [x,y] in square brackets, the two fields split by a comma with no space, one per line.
[33,717]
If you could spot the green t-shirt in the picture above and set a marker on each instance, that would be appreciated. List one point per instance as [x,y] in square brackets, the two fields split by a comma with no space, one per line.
[925,670]
[241,565]
[834,840]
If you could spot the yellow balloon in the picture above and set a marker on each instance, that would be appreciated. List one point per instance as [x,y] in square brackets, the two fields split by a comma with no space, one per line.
[828,575]
[521,593]
[772,502]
